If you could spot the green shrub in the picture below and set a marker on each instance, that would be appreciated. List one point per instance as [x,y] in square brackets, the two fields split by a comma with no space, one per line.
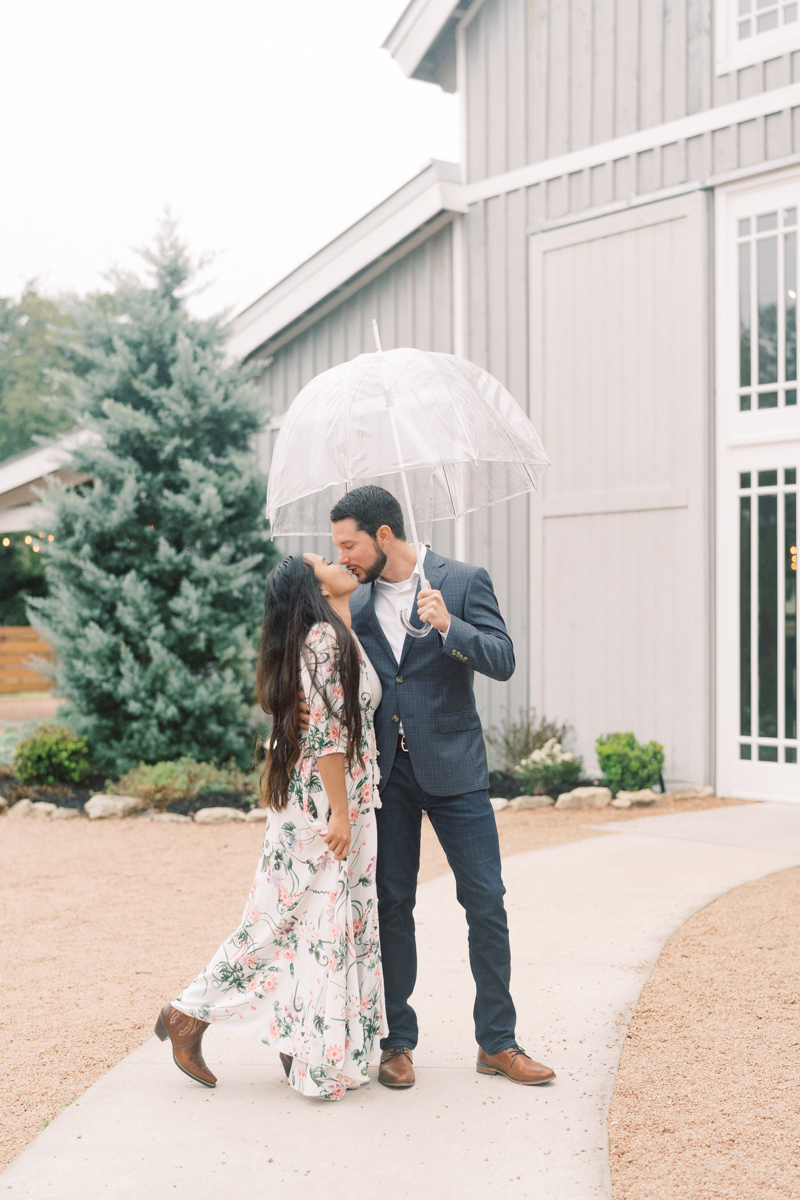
[516,739]
[50,756]
[158,784]
[549,769]
[627,764]
[10,737]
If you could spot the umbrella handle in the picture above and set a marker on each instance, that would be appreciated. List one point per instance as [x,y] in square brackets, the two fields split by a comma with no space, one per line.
[413,630]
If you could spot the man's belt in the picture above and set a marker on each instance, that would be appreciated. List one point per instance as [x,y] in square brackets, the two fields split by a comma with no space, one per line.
[402,744]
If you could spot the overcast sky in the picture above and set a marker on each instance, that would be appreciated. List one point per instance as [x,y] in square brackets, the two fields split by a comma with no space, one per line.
[267,128]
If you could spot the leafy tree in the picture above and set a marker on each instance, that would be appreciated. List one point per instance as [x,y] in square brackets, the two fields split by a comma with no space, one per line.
[157,570]
[22,575]
[35,357]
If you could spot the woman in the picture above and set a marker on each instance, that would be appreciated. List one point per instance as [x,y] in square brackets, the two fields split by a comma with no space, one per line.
[302,972]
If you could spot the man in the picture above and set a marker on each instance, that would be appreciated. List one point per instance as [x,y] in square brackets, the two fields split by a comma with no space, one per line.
[432,759]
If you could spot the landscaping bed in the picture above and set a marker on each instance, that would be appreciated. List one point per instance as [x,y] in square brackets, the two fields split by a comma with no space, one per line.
[11,790]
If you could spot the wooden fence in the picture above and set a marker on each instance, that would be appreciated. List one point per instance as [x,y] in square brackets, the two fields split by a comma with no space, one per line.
[18,644]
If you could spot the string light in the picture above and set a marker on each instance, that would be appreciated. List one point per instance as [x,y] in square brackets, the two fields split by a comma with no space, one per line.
[50,537]
[6,541]
[28,540]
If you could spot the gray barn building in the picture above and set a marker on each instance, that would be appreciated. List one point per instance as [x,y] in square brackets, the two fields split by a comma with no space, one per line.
[618,245]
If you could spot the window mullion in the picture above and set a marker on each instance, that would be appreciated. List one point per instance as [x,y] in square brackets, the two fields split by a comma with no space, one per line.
[780,565]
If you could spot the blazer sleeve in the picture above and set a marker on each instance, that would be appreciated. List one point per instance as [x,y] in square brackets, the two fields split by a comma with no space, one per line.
[321,681]
[480,640]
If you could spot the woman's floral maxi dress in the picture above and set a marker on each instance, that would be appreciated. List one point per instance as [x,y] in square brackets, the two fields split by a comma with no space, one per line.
[302,973]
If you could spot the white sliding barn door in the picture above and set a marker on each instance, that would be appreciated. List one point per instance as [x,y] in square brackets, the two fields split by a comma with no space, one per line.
[619,385]
[758,459]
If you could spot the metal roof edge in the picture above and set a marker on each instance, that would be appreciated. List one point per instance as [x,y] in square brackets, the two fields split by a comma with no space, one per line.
[415,31]
[438,187]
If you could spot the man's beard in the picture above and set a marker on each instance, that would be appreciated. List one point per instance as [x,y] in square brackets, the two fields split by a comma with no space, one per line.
[376,570]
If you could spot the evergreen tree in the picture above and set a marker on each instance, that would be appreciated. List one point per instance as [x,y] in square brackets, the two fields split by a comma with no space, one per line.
[157,570]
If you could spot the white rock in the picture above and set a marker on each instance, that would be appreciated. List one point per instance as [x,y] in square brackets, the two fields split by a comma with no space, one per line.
[102,805]
[257,815]
[621,802]
[23,808]
[585,797]
[64,814]
[498,803]
[168,816]
[692,792]
[42,808]
[217,816]
[643,796]
[525,802]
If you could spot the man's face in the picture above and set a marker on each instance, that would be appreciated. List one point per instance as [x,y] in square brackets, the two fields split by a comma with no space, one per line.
[360,553]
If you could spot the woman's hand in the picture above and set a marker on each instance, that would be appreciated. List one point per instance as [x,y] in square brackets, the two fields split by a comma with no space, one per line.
[337,839]
[331,770]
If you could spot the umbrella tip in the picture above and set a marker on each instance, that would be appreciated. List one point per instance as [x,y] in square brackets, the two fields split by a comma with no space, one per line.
[377,336]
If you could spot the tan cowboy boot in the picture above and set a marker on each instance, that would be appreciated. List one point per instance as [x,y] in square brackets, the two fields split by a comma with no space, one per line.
[515,1064]
[186,1035]
[397,1068]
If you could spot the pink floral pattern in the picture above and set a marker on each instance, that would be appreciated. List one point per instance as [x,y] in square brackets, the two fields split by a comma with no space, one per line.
[302,972]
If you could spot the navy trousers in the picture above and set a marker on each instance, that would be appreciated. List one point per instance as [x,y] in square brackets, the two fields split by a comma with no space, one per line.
[465,825]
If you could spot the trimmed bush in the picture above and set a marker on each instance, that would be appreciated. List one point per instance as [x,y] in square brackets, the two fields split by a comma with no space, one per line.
[629,765]
[159,784]
[550,769]
[50,756]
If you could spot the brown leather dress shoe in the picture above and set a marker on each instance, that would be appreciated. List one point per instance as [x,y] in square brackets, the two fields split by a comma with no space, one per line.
[515,1064]
[186,1035]
[397,1068]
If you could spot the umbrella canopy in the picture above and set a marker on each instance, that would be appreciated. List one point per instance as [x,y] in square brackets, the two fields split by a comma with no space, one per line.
[436,423]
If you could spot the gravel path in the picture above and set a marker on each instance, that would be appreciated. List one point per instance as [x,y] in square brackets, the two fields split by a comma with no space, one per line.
[707,1096]
[103,922]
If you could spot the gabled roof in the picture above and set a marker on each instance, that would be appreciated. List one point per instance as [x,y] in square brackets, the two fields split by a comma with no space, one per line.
[20,507]
[424,40]
[328,276]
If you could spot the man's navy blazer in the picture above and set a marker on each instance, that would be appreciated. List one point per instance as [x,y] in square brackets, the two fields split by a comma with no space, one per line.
[430,690]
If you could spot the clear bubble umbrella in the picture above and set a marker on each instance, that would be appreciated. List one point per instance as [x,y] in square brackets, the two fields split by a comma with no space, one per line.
[438,432]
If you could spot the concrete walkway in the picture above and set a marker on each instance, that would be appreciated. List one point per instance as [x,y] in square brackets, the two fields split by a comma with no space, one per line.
[588,922]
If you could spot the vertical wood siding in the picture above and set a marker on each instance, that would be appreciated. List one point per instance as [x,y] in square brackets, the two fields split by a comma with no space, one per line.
[497,339]
[623,347]
[546,77]
[412,302]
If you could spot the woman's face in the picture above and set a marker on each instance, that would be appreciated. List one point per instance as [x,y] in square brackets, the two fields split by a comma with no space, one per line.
[334,581]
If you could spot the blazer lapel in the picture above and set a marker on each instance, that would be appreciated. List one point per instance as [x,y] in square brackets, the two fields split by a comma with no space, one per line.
[435,571]
[369,609]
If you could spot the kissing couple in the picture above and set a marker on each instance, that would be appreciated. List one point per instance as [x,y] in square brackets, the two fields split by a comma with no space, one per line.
[325,959]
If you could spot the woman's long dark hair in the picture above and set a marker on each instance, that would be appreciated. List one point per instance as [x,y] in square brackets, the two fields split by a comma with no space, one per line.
[292,605]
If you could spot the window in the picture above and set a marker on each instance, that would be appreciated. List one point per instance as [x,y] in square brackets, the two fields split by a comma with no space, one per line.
[749,31]
[760,16]
[767,249]
[768,616]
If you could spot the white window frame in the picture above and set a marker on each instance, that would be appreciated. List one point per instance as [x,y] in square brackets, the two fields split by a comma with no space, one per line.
[762,439]
[731,53]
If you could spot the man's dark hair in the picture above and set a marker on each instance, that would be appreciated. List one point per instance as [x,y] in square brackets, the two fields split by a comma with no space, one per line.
[370,507]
